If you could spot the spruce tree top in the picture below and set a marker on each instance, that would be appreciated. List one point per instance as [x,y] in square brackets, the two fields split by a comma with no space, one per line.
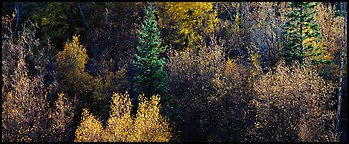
[302,32]
[148,66]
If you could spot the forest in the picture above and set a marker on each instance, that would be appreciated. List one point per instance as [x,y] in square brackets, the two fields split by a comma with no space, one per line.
[174,72]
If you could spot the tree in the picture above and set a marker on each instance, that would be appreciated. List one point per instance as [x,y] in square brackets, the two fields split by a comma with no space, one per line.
[22,11]
[24,103]
[303,34]
[115,36]
[61,118]
[72,77]
[210,95]
[26,111]
[120,122]
[147,126]
[331,27]
[111,49]
[189,22]
[60,20]
[149,74]
[89,129]
[265,31]
[338,116]
[293,104]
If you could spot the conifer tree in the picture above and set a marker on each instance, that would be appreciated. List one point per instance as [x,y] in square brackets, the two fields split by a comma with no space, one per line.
[149,71]
[303,34]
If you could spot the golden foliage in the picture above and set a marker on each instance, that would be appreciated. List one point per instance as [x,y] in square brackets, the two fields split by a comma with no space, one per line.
[62,119]
[24,102]
[147,126]
[89,130]
[312,41]
[213,96]
[210,94]
[292,105]
[74,54]
[26,114]
[71,68]
[331,27]
[193,20]
[120,122]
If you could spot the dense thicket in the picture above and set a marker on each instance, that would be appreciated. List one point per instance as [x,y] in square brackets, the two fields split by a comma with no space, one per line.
[28,112]
[174,71]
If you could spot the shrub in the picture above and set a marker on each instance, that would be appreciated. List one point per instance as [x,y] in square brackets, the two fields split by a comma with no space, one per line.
[292,104]
[209,94]
[26,113]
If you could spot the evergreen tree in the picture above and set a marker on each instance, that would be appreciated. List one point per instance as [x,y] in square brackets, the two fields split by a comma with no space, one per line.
[149,75]
[303,34]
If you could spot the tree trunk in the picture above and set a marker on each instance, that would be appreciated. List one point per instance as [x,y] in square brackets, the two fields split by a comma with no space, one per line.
[18,16]
[276,32]
[226,9]
[338,126]
[301,36]
[236,8]
[242,8]
[84,20]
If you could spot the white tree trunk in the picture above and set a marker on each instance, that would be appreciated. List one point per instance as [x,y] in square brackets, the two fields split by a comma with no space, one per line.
[338,126]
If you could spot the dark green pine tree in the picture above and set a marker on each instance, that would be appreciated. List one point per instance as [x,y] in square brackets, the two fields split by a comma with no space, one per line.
[149,74]
[300,26]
